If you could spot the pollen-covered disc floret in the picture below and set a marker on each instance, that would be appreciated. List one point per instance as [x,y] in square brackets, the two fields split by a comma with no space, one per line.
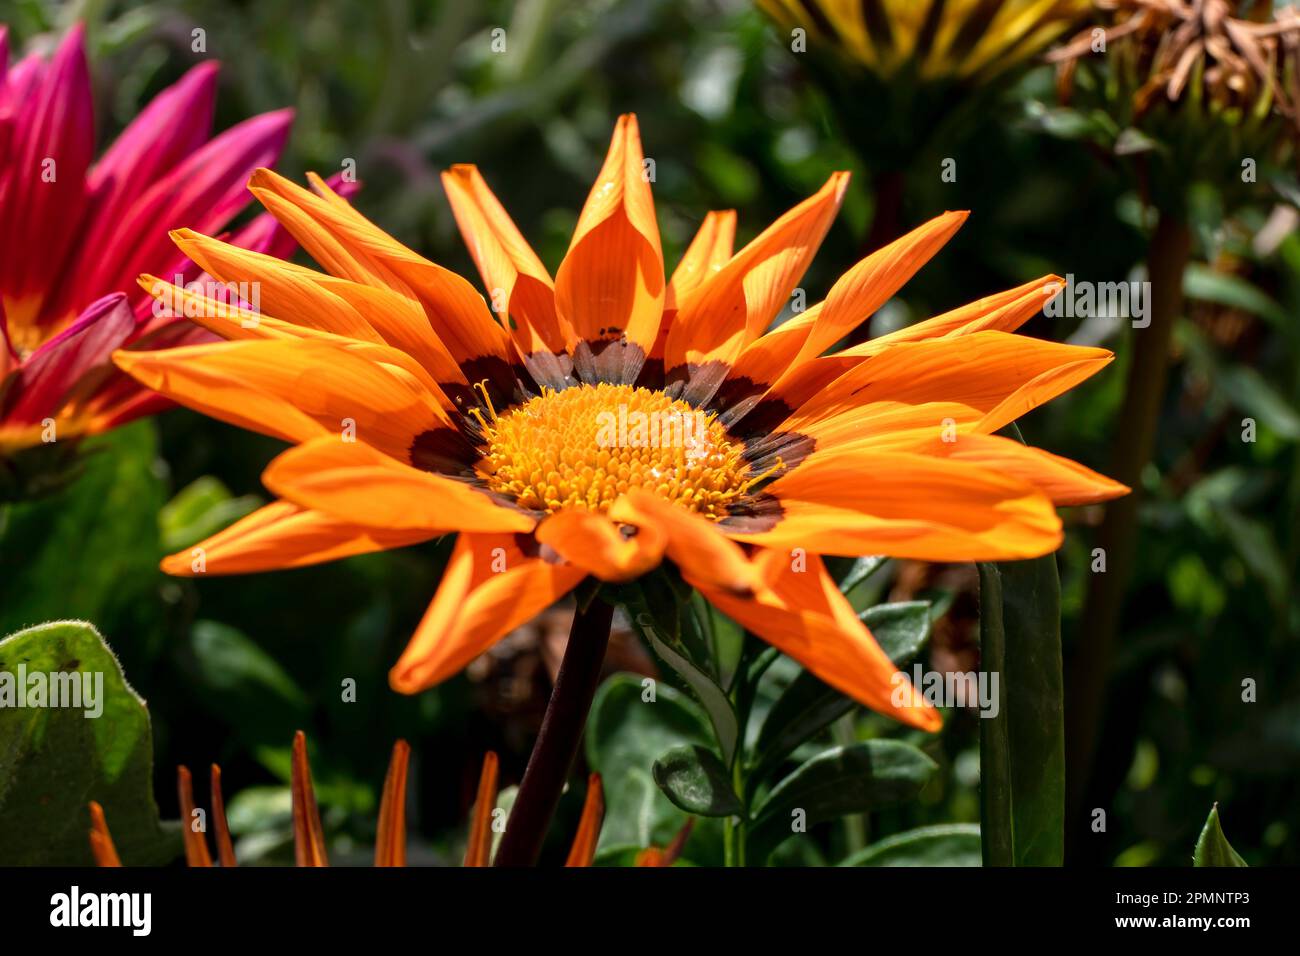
[586,445]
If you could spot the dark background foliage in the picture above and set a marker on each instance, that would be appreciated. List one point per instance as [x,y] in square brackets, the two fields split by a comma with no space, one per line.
[231,667]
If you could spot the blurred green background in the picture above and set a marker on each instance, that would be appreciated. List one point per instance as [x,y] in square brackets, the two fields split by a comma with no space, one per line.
[231,667]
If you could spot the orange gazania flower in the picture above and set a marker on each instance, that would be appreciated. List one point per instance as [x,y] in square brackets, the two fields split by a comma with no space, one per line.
[390,836]
[415,413]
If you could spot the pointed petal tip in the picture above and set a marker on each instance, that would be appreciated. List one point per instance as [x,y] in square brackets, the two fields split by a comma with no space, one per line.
[177,565]
[401,679]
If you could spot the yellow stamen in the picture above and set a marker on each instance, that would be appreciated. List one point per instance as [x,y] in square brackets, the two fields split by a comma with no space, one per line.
[585,446]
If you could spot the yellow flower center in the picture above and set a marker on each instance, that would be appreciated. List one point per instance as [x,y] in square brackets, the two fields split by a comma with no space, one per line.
[586,445]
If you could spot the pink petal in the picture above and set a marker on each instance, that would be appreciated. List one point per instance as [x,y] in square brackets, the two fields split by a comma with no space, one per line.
[38,219]
[203,193]
[174,124]
[54,371]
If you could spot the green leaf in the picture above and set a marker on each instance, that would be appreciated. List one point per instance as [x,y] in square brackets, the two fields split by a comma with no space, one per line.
[91,550]
[1132,141]
[1022,748]
[948,844]
[808,705]
[625,733]
[860,570]
[199,510]
[246,687]
[1250,392]
[693,778]
[842,780]
[715,700]
[901,629]
[1213,848]
[55,760]
[1210,285]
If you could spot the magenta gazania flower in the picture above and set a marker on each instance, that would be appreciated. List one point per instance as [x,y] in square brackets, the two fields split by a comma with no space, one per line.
[75,232]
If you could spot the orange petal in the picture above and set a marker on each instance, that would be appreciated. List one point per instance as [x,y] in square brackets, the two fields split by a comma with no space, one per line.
[490,587]
[1001,312]
[783,366]
[595,543]
[292,389]
[350,246]
[196,844]
[583,851]
[515,278]
[694,543]
[478,848]
[283,535]
[1066,482]
[653,856]
[802,613]
[236,323]
[610,286]
[763,360]
[225,848]
[873,281]
[308,836]
[355,483]
[399,323]
[735,305]
[994,374]
[282,289]
[101,841]
[390,839]
[708,252]
[859,501]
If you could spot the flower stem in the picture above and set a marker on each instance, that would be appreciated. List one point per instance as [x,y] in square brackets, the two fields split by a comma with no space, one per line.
[1118,536]
[557,742]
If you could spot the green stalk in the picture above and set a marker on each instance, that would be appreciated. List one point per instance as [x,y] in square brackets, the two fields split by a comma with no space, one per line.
[1134,440]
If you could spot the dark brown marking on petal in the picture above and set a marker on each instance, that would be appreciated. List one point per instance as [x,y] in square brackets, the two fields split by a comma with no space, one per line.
[697,384]
[551,370]
[613,360]
[762,418]
[444,451]
[754,515]
[737,397]
[791,447]
[652,375]
[507,384]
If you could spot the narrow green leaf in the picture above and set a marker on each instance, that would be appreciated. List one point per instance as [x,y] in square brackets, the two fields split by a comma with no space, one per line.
[695,780]
[842,780]
[1213,848]
[808,705]
[1022,748]
[860,570]
[901,629]
[949,844]
[1210,285]
[55,760]
[715,700]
